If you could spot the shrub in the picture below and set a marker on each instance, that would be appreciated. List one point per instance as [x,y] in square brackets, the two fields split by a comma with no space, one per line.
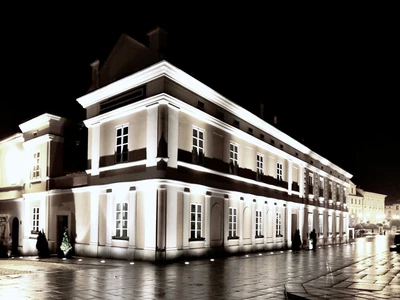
[42,245]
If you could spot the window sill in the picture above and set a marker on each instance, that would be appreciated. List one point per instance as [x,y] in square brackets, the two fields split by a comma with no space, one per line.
[279,236]
[259,236]
[34,232]
[233,237]
[36,180]
[197,239]
[120,238]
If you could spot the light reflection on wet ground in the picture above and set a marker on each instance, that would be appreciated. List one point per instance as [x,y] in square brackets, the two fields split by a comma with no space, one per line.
[254,277]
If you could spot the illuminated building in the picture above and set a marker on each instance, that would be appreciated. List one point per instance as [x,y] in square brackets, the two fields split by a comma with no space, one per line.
[175,170]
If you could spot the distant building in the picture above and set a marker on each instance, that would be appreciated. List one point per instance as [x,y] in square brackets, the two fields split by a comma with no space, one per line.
[174,171]
[392,211]
[365,206]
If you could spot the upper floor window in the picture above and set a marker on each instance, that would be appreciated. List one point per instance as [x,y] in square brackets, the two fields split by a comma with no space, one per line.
[278,224]
[310,183]
[121,220]
[36,165]
[195,221]
[258,223]
[232,222]
[260,163]
[121,144]
[198,140]
[233,153]
[35,219]
[279,171]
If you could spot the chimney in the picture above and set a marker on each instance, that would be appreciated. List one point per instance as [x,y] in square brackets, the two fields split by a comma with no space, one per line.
[157,43]
[262,111]
[95,73]
[275,120]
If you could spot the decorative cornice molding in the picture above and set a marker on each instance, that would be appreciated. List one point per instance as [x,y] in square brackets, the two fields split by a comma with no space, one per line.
[42,139]
[38,121]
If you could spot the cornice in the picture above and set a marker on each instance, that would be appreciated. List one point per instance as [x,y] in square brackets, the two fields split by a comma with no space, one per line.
[166,69]
[15,138]
[42,139]
[38,121]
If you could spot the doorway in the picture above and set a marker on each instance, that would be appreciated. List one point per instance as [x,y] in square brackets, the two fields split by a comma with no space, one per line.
[62,223]
[15,236]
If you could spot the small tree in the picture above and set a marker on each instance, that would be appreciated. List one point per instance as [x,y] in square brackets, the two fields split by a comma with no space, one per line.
[65,244]
[42,245]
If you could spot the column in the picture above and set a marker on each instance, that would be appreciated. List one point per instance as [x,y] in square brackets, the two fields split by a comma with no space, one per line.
[132,217]
[240,220]
[151,135]
[94,218]
[186,218]
[253,222]
[173,136]
[207,219]
[290,176]
[110,218]
[301,180]
[95,148]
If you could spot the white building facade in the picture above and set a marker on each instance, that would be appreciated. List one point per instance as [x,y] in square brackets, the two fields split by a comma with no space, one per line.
[175,170]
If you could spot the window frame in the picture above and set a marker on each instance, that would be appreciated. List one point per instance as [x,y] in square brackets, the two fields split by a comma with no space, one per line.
[233,160]
[199,149]
[260,163]
[232,222]
[124,146]
[35,220]
[35,174]
[259,224]
[279,171]
[198,211]
[278,224]
[122,220]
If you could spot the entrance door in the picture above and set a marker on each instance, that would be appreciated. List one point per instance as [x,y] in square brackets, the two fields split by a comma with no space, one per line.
[62,223]
[15,236]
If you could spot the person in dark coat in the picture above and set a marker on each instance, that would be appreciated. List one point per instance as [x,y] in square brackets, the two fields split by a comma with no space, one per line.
[313,237]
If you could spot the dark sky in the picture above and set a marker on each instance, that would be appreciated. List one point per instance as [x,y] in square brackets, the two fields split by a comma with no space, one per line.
[332,79]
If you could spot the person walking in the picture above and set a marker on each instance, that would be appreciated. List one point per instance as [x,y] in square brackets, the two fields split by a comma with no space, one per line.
[313,237]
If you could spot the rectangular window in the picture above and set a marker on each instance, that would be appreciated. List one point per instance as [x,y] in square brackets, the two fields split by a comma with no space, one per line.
[35,219]
[121,220]
[278,225]
[233,153]
[310,184]
[195,221]
[279,171]
[337,225]
[310,222]
[258,223]
[330,224]
[36,165]
[198,140]
[260,163]
[321,223]
[121,144]
[232,222]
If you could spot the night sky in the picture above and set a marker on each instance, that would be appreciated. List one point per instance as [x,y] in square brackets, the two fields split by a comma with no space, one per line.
[332,80]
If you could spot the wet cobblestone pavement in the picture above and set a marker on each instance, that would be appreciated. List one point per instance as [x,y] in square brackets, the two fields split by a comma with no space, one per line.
[365,269]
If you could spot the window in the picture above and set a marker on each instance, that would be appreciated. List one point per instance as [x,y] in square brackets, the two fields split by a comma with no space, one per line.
[35,220]
[121,220]
[279,171]
[121,144]
[198,140]
[278,224]
[310,222]
[233,153]
[321,186]
[258,223]
[232,222]
[260,163]
[195,221]
[321,224]
[310,183]
[330,224]
[36,165]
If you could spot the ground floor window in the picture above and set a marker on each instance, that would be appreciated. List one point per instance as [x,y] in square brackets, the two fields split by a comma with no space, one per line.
[195,221]
[278,224]
[35,220]
[121,220]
